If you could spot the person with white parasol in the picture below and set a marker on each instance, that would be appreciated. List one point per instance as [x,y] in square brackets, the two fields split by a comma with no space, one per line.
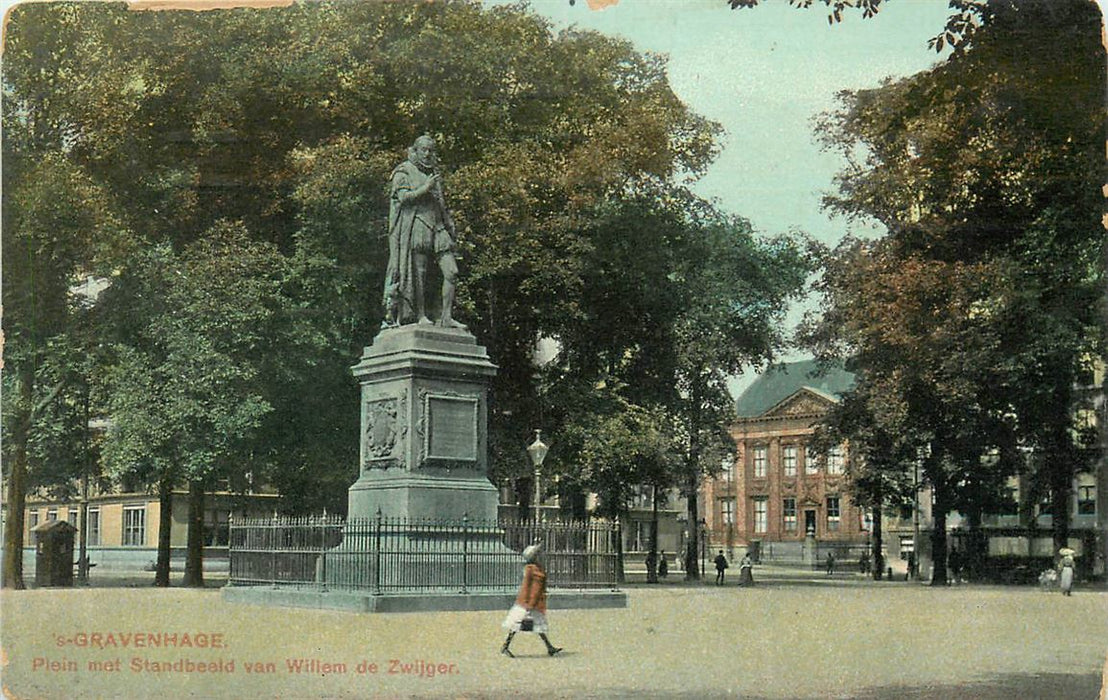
[1065,570]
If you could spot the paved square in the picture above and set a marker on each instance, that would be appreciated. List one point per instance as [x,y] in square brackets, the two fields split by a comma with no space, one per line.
[840,638]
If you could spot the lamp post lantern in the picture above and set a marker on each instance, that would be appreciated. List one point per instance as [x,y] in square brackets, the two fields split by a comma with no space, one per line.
[537,452]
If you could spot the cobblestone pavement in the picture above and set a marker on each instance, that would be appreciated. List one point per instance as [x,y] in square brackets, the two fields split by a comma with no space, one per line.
[793,635]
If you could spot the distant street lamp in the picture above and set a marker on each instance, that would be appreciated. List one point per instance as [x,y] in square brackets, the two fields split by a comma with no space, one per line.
[537,452]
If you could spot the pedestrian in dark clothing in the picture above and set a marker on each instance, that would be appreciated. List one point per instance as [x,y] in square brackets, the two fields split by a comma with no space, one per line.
[746,571]
[663,566]
[721,564]
[911,567]
[830,563]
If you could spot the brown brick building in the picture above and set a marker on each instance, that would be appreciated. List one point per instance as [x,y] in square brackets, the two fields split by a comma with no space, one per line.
[777,493]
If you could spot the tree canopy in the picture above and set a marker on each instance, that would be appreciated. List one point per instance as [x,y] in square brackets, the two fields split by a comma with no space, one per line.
[225,174]
[970,321]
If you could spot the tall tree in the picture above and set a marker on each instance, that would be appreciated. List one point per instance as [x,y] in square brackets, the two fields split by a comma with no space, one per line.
[986,172]
[287,121]
[735,289]
[192,382]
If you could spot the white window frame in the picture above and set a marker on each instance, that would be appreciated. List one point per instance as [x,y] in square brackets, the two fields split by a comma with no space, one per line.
[93,536]
[760,460]
[1090,491]
[761,514]
[811,466]
[727,511]
[836,460]
[789,521]
[790,456]
[834,514]
[134,534]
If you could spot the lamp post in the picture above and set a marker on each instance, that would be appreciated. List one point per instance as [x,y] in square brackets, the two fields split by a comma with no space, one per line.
[537,453]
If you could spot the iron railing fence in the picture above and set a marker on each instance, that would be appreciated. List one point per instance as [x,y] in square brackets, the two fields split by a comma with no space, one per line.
[405,555]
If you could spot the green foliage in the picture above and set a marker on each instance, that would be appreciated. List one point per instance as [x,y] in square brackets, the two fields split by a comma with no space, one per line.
[191,383]
[969,322]
[288,121]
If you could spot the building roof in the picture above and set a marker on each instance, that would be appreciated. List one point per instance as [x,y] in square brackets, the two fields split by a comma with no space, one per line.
[783,380]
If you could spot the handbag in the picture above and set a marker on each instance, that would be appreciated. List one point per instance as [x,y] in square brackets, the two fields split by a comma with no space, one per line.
[527,624]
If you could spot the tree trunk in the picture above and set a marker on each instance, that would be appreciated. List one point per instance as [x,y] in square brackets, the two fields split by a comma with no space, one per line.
[1061,486]
[17,486]
[652,555]
[938,543]
[975,548]
[165,523]
[878,560]
[194,556]
[13,527]
[692,565]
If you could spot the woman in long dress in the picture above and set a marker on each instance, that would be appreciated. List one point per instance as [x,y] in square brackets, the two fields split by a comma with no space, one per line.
[746,571]
[1065,571]
[528,614]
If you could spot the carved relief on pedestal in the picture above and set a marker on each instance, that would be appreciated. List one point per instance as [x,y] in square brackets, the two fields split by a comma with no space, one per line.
[385,432]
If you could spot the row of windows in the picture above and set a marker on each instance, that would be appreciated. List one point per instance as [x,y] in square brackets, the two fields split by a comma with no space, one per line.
[134,524]
[216,527]
[832,513]
[792,456]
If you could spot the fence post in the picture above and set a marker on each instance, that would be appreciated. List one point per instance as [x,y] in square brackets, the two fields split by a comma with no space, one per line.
[377,556]
[322,533]
[273,543]
[465,551]
[231,548]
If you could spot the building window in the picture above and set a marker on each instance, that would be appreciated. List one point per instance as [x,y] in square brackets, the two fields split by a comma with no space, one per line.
[32,520]
[51,514]
[907,546]
[94,526]
[835,461]
[71,516]
[134,526]
[1009,501]
[1086,500]
[789,509]
[727,470]
[760,462]
[639,536]
[727,510]
[788,460]
[1045,506]
[811,466]
[217,528]
[761,519]
[833,517]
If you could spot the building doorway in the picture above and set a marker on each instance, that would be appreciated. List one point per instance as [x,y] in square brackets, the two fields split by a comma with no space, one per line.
[809,521]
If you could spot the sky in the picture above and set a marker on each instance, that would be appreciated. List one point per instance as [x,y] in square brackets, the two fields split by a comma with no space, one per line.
[764,73]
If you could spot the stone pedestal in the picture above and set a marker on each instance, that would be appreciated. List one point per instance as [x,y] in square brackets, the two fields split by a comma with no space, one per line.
[424,429]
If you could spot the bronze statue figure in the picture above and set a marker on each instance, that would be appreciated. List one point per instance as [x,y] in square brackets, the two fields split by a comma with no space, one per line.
[420,228]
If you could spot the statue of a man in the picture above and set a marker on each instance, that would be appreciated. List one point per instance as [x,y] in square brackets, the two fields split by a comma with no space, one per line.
[420,228]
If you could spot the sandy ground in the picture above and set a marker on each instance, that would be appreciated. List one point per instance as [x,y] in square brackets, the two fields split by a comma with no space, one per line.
[798,637]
